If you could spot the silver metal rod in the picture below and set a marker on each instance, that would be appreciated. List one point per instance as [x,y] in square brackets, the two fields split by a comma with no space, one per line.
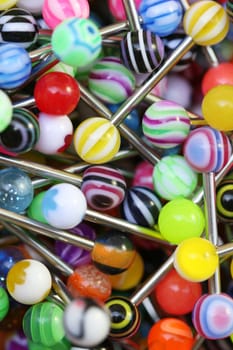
[154,78]
[132,15]
[41,248]
[150,283]
[209,188]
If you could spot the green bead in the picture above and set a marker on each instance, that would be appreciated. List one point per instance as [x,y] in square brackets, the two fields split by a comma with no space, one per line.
[6,111]
[64,344]
[76,41]
[34,211]
[43,324]
[4,303]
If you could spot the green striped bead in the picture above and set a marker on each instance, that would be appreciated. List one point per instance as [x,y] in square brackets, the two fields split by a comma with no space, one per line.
[4,303]
[43,324]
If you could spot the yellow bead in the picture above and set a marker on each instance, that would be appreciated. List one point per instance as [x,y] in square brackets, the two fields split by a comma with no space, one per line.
[206,22]
[196,259]
[6,4]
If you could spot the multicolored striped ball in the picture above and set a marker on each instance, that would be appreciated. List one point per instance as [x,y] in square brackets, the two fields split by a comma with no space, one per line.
[56,11]
[103,187]
[207,149]
[15,66]
[142,51]
[173,177]
[22,133]
[162,17]
[111,81]
[206,22]
[18,26]
[96,140]
[76,42]
[141,206]
[165,124]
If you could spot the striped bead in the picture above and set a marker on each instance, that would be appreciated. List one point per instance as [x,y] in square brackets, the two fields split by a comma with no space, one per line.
[15,66]
[22,133]
[96,140]
[111,81]
[229,9]
[18,26]
[207,149]
[141,206]
[56,11]
[166,124]
[173,178]
[142,51]
[103,187]
[162,17]
[206,22]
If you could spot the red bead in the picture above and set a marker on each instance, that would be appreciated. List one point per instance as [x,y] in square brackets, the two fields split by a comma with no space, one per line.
[56,93]
[174,287]
[219,75]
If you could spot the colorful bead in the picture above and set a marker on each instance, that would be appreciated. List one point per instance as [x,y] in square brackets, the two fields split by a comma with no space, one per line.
[76,42]
[103,187]
[117,10]
[170,333]
[141,206]
[56,133]
[76,256]
[88,281]
[222,74]
[54,12]
[18,26]
[56,93]
[113,253]
[213,316]
[206,22]
[161,17]
[111,81]
[142,51]
[15,66]
[165,124]
[16,190]
[6,111]
[96,140]
[180,219]
[229,9]
[43,323]
[29,281]
[196,259]
[224,200]
[217,107]
[4,303]
[35,7]
[173,177]
[64,206]
[143,175]
[125,317]
[207,149]
[22,133]
[34,210]
[86,322]
[6,4]
[8,257]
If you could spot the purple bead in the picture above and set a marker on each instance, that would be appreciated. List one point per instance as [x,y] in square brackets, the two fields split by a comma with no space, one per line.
[17,341]
[207,149]
[72,255]
[213,316]
[142,51]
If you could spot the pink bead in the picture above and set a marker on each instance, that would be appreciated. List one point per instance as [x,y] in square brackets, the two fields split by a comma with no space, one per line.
[56,11]
[143,175]
[117,9]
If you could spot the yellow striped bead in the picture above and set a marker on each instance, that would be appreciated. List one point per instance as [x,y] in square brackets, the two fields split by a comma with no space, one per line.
[206,22]
[96,140]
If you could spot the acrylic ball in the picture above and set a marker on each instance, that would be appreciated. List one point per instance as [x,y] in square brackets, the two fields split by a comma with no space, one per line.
[173,177]
[6,111]
[16,190]
[76,42]
[4,303]
[111,81]
[35,7]
[22,133]
[162,18]
[117,8]
[56,133]
[165,124]
[29,281]
[64,206]
[18,26]
[86,322]
[104,187]
[6,4]
[55,11]
[43,324]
